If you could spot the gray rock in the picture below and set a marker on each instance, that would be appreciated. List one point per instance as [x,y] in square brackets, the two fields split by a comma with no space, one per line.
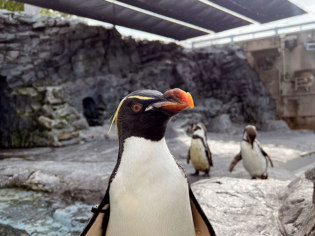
[46,122]
[270,125]
[297,213]
[64,71]
[208,108]
[40,181]
[44,55]
[54,95]
[29,19]
[7,230]
[214,106]
[26,91]
[310,175]
[64,110]
[61,22]
[60,124]
[47,111]
[221,123]
[6,37]
[9,19]
[12,55]
[80,124]
[67,134]
[241,206]
[27,35]
[40,24]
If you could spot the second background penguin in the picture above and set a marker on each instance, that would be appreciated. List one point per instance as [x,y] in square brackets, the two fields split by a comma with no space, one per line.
[199,151]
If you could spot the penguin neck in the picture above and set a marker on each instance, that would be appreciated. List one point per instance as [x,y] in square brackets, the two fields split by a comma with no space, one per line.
[141,151]
[199,133]
[245,137]
[246,141]
[145,129]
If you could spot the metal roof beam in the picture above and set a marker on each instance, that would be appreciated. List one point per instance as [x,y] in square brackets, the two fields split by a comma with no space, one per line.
[137,9]
[226,10]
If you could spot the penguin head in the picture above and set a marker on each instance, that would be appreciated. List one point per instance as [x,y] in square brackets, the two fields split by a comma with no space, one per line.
[250,134]
[199,127]
[145,113]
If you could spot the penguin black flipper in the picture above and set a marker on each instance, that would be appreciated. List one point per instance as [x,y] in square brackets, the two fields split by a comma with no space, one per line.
[208,154]
[98,223]
[265,154]
[188,156]
[236,159]
[201,222]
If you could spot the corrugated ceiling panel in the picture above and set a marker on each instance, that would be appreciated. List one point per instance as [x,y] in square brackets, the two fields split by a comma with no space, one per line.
[191,11]
[103,11]
[262,11]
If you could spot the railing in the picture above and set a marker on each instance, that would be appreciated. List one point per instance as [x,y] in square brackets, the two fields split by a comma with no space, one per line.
[254,35]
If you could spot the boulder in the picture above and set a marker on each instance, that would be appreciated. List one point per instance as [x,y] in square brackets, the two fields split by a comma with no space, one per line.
[297,213]
[241,206]
[310,175]
[8,230]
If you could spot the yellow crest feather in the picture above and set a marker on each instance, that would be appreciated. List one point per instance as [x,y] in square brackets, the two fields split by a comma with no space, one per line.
[114,119]
[141,97]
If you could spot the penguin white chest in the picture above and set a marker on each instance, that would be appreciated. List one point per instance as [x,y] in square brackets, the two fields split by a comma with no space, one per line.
[253,160]
[198,155]
[149,195]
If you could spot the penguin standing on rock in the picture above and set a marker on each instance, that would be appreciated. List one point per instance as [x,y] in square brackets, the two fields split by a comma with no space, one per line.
[199,151]
[148,193]
[255,159]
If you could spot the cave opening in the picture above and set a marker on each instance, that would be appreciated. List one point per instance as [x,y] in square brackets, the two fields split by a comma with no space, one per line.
[92,112]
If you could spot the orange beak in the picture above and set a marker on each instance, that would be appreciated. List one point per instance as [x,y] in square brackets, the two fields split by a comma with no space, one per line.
[176,100]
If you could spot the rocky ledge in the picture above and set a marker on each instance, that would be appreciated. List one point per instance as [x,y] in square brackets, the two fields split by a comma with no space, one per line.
[50,190]
[258,207]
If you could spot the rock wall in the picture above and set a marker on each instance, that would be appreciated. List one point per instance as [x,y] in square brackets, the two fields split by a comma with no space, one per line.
[96,67]
[40,117]
[297,213]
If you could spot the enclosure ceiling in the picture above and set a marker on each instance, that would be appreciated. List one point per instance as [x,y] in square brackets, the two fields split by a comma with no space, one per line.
[181,19]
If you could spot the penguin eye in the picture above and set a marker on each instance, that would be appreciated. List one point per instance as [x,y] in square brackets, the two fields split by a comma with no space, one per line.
[136,107]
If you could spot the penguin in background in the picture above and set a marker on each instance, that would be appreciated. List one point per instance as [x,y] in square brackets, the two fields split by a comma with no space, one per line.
[199,151]
[255,159]
[148,192]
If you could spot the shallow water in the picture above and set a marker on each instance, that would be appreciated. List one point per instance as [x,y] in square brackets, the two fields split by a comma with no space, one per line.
[38,214]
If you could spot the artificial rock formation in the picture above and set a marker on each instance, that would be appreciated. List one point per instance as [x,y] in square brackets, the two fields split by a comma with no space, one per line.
[310,175]
[258,207]
[241,206]
[297,213]
[96,67]
[41,118]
